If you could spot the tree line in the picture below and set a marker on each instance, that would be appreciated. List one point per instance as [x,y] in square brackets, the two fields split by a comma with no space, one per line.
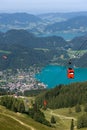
[82,119]
[14,104]
[17,105]
[64,96]
[67,96]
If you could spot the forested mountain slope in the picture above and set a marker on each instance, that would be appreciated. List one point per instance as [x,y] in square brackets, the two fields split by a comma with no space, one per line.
[64,96]
[24,49]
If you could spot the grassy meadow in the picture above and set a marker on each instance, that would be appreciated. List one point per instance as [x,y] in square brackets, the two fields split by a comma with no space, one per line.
[63,118]
[16,121]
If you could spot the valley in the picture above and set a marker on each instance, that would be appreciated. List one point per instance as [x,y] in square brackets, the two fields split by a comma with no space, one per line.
[34,57]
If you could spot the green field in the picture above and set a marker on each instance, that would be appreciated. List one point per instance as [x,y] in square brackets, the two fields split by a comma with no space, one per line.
[41,49]
[5,52]
[16,121]
[74,54]
[63,118]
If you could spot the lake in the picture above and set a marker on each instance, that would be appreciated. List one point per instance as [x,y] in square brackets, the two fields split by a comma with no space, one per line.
[66,36]
[53,75]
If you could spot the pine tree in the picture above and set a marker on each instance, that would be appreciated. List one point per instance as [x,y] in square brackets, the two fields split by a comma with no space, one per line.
[21,107]
[72,125]
[85,107]
[53,120]
[15,106]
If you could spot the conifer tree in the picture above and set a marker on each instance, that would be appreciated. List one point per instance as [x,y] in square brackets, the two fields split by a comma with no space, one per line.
[21,107]
[72,125]
[85,107]
[53,120]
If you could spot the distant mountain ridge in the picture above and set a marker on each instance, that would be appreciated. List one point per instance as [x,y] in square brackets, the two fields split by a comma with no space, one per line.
[24,38]
[24,49]
[18,18]
[50,23]
[39,50]
[69,15]
[79,43]
[18,21]
[79,22]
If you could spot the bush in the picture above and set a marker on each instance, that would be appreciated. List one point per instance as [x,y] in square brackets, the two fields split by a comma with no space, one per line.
[70,111]
[38,116]
[53,120]
[82,121]
[77,108]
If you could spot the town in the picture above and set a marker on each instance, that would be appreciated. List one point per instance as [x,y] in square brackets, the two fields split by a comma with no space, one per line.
[21,80]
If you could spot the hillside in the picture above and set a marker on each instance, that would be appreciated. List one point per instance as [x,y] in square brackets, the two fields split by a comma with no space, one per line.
[23,122]
[24,38]
[79,46]
[62,100]
[45,24]
[17,21]
[23,49]
[18,18]
[77,23]
[19,121]
[79,43]
[57,17]
[64,96]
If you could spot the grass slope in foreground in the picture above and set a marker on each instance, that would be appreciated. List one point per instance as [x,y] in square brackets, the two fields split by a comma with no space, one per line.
[16,121]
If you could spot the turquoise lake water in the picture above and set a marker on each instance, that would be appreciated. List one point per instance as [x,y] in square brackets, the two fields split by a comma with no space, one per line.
[53,75]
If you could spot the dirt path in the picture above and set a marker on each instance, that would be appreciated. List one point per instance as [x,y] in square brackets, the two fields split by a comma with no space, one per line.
[62,116]
[22,123]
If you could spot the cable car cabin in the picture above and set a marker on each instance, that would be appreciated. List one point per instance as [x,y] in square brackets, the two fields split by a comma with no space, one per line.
[70,73]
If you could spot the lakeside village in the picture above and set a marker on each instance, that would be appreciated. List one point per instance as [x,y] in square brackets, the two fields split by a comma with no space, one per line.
[21,81]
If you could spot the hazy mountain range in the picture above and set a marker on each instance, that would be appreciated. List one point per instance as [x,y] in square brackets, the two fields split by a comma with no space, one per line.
[24,48]
[50,23]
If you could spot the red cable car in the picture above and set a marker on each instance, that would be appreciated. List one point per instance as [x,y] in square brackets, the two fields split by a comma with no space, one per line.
[70,73]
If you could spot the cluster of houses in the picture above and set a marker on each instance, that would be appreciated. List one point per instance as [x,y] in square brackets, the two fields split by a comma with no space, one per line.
[20,81]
